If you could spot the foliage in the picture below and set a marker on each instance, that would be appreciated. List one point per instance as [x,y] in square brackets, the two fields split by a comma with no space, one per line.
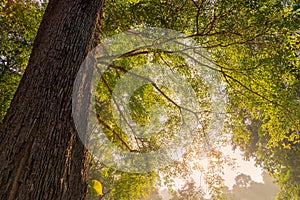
[190,192]
[121,185]
[247,189]
[19,24]
[255,46]
[264,95]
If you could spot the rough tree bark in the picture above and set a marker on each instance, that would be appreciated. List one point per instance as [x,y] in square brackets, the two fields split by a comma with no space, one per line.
[41,155]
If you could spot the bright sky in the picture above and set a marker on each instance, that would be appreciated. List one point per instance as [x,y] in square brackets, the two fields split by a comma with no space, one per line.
[242,166]
[245,167]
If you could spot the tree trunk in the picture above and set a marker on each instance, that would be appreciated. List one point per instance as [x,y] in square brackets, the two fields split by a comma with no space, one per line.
[41,154]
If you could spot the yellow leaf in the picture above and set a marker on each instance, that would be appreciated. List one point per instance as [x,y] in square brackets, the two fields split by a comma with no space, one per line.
[96,187]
